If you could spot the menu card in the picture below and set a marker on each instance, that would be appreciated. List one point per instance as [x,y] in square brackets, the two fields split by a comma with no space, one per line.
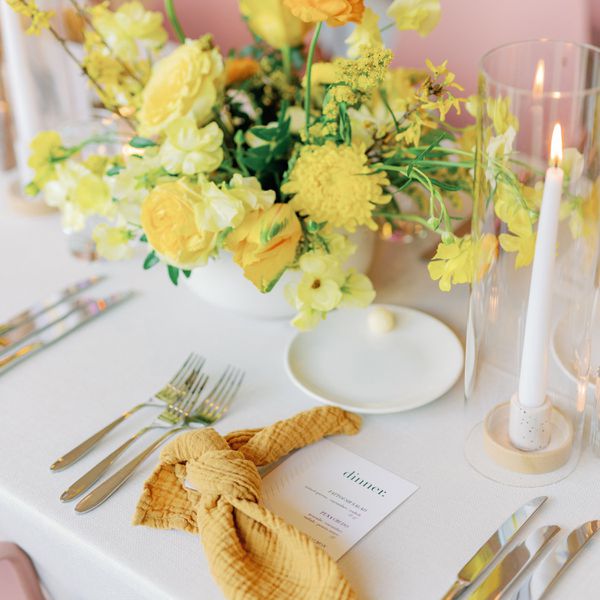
[332,495]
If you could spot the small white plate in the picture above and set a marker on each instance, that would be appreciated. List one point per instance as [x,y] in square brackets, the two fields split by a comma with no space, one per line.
[342,363]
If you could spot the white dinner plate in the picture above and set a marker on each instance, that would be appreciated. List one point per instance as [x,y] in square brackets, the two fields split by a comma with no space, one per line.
[342,363]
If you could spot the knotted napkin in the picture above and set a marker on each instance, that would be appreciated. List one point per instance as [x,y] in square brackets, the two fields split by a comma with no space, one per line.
[252,553]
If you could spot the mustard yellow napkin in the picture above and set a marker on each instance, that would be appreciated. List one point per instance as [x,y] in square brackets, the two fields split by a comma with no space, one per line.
[252,553]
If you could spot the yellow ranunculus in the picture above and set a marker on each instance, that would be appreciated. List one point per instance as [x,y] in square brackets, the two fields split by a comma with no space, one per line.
[187,82]
[418,15]
[274,23]
[240,69]
[264,245]
[335,12]
[169,222]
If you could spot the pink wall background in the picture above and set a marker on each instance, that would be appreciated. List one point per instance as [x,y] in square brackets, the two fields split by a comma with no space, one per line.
[468,28]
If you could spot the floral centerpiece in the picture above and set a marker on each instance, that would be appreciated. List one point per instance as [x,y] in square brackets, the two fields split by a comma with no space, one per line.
[267,153]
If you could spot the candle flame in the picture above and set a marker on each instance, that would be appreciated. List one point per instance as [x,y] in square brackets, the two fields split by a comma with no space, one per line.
[538,80]
[556,146]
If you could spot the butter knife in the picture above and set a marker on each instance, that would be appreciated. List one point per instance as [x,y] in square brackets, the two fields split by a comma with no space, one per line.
[55,332]
[19,333]
[51,301]
[551,568]
[513,564]
[492,547]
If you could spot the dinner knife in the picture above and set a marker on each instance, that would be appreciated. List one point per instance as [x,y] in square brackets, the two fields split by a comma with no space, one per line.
[55,332]
[513,564]
[37,324]
[492,547]
[51,301]
[551,568]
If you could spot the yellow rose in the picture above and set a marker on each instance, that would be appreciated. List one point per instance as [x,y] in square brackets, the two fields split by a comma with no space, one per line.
[264,245]
[335,12]
[187,82]
[274,23]
[169,222]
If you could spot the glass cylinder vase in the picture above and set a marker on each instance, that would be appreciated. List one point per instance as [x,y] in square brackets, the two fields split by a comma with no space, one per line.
[535,242]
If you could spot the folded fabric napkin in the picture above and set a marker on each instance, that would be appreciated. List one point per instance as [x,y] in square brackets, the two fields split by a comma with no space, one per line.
[252,553]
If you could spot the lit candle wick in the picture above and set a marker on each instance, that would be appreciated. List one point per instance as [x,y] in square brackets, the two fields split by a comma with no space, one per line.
[556,146]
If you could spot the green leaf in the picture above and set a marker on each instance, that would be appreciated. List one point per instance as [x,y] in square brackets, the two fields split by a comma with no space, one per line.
[151,260]
[143,238]
[141,142]
[114,170]
[268,134]
[173,274]
[186,273]
[266,235]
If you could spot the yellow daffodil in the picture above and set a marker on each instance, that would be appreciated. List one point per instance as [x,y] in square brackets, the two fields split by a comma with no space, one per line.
[335,184]
[272,21]
[418,15]
[190,150]
[265,244]
[365,35]
[169,221]
[112,243]
[186,82]
[334,12]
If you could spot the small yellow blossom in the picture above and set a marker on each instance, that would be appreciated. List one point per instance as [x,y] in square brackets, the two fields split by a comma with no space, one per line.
[78,193]
[365,35]
[272,21]
[418,15]
[435,93]
[335,184]
[46,151]
[39,19]
[112,243]
[265,244]
[366,73]
[186,82]
[190,150]
[521,240]
[463,260]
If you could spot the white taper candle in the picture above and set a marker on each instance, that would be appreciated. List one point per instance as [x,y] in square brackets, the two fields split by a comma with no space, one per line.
[533,375]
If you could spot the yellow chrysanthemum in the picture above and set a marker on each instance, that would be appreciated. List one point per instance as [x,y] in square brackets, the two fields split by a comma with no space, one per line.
[335,184]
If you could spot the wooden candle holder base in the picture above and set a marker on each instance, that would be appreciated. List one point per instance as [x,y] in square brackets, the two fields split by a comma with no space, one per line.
[500,449]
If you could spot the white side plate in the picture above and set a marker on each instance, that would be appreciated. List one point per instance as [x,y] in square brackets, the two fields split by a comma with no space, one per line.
[342,363]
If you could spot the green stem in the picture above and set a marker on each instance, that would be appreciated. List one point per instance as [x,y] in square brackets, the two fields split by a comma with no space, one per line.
[386,27]
[309,63]
[286,55]
[172,16]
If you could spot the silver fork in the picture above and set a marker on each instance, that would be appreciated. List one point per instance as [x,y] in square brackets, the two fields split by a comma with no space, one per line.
[210,410]
[174,389]
[169,418]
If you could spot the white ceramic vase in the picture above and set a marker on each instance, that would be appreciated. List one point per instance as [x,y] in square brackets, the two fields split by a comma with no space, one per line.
[222,283]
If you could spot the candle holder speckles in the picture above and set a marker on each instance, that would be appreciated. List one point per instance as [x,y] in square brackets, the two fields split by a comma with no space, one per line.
[532,296]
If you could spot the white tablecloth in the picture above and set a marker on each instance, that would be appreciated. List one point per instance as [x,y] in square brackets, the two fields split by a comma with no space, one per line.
[65,393]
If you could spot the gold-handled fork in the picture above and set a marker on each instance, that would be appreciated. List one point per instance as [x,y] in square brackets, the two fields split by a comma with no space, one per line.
[174,389]
[203,413]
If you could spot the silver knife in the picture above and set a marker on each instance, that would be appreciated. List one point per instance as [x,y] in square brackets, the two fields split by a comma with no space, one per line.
[65,326]
[37,324]
[51,301]
[513,564]
[492,547]
[550,569]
